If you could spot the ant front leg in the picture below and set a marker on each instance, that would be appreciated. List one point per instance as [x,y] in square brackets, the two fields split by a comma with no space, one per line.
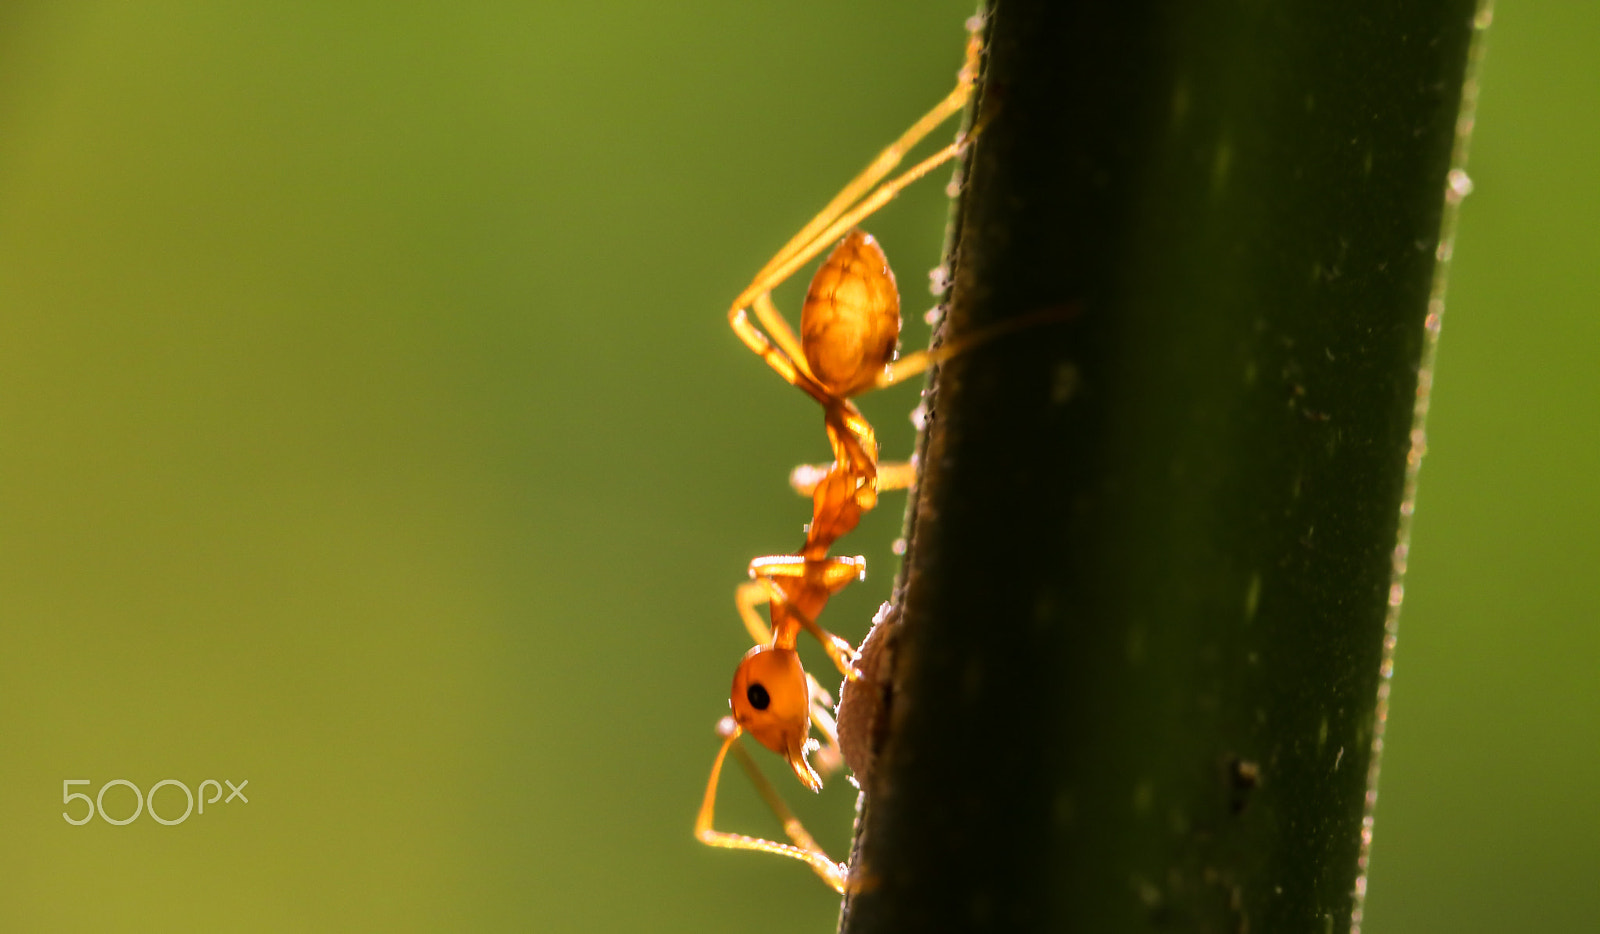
[802,846]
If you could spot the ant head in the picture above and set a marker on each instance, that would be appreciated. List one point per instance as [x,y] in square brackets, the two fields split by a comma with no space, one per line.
[771,701]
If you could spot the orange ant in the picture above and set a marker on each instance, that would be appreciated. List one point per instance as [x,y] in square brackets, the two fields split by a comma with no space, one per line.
[849,335]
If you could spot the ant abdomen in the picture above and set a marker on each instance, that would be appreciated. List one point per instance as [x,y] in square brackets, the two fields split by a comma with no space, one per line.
[850,322]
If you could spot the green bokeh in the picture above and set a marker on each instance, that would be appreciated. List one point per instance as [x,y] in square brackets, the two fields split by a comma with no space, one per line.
[370,430]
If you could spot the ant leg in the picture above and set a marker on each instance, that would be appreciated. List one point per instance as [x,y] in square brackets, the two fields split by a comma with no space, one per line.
[897,475]
[812,237]
[830,756]
[789,365]
[803,848]
[782,269]
[748,596]
[913,363]
[835,572]
[778,328]
[892,475]
[823,701]
[805,478]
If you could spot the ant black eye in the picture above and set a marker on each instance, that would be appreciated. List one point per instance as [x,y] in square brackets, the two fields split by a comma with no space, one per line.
[758,697]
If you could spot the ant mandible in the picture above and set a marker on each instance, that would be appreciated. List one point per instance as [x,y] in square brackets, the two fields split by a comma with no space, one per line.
[849,335]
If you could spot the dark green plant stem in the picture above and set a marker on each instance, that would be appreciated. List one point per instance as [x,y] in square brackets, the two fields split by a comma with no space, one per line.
[1147,602]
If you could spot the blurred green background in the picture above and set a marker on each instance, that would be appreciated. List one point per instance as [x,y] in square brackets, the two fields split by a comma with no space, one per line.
[370,430]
